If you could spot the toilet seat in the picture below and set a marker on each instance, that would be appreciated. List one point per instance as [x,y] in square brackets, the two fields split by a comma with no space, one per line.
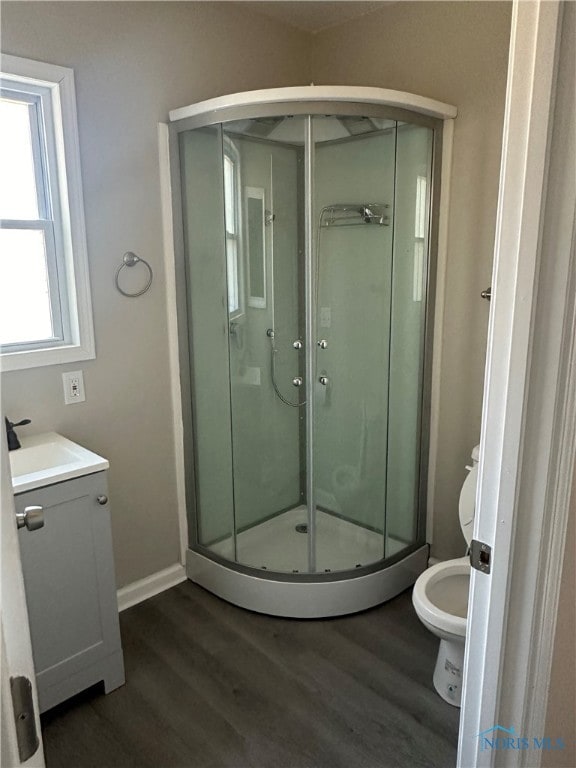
[442,588]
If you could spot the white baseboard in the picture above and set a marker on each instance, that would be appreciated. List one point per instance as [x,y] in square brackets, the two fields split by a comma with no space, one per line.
[152,585]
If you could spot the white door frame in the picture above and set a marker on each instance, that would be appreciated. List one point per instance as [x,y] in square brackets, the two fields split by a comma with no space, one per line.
[16,647]
[527,455]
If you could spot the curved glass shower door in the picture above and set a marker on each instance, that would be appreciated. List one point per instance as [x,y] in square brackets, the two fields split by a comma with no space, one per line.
[263,167]
[371,218]
[354,161]
[411,294]
[306,325]
[244,230]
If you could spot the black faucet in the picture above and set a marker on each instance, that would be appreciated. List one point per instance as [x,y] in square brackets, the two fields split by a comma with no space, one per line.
[13,442]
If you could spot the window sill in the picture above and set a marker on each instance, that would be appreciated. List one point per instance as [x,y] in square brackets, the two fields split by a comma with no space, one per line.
[37,358]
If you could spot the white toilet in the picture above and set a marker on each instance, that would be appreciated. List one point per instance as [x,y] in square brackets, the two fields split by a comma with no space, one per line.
[440,598]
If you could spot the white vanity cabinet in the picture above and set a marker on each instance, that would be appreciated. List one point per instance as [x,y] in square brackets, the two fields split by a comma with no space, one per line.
[70,588]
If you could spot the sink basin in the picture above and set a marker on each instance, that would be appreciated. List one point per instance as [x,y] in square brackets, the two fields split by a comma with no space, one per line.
[37,458]
[51,458]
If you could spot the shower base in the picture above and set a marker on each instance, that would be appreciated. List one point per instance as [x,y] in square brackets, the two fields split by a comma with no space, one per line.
[277,545]
[277,556]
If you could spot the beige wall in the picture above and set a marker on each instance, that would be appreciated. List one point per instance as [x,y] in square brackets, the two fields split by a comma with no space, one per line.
[456,52]
[133,62]
[561,713]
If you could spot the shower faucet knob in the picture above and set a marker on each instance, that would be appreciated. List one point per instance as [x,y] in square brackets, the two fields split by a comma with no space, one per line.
[297,381]
[323,380]
[323,344]
[297,344]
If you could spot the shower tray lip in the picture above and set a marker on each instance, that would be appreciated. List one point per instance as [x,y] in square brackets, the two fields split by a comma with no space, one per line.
[311,598]
[308,577]
[345,93]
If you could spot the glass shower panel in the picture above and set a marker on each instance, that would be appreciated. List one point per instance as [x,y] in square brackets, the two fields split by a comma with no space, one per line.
[263,176]
[353,226]
[409,295]
[204,246]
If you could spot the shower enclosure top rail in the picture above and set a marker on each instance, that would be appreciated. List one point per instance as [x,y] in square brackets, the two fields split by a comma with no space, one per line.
[367,95]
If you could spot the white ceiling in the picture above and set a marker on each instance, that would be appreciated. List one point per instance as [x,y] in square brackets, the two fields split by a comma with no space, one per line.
[312,16]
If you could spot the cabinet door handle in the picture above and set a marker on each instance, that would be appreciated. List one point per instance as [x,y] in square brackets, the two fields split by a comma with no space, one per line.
[31,517]
[102,499]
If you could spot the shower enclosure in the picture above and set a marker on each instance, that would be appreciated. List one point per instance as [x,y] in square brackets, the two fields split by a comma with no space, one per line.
[305,245]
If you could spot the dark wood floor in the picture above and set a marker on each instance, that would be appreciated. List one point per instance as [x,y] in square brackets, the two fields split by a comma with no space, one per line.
[212,686]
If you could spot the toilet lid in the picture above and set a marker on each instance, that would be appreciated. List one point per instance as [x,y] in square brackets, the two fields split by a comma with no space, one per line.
[467,504]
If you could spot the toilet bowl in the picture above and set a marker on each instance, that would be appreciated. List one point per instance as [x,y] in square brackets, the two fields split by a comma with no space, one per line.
[440,598]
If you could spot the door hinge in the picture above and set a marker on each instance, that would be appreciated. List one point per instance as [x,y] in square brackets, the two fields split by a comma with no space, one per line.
[23,705]
[480,556]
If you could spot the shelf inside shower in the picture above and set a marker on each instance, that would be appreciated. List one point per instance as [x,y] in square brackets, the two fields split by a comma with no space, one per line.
[278,545]
[353,214]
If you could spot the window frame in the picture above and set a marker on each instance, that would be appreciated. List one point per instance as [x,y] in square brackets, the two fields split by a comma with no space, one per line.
[48,220]
[62,207]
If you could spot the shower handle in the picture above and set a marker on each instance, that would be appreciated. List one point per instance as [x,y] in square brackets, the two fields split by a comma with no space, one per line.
[297,381]
[297,344]
[323,344]
[323,380]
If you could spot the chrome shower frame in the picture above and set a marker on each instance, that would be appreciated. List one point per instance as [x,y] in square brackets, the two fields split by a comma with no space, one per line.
[311,594]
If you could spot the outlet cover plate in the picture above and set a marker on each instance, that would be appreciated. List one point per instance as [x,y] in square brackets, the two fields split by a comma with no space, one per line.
[73,382]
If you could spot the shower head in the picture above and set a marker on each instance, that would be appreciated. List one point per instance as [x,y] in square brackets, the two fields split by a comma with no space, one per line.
[263,126]
[356,125]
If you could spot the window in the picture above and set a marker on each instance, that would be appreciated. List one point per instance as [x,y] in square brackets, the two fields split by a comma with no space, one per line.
[45,310]
[232,219]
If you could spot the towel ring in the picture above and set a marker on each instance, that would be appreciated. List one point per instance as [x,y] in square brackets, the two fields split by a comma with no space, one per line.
[129,260]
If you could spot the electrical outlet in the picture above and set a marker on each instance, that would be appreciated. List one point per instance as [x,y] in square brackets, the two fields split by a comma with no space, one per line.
[73,387]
